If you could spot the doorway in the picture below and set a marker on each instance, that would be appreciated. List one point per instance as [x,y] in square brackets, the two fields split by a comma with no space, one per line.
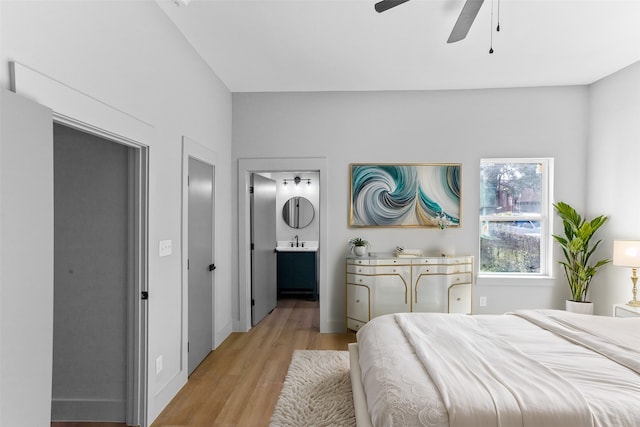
[98,274]
[269,166]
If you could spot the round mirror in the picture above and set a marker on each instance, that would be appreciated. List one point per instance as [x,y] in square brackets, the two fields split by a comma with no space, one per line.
[298,212]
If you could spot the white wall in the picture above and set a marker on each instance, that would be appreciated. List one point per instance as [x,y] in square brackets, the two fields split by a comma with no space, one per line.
[612,178]
[130,56]
[422,127]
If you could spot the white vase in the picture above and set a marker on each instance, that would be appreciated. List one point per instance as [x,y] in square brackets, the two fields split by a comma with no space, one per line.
[579,307]
[360,250]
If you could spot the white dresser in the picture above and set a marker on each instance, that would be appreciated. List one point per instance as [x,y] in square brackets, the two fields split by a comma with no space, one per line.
[377,286]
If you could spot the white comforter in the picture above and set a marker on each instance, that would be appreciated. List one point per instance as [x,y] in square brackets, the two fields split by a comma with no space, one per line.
[530,368]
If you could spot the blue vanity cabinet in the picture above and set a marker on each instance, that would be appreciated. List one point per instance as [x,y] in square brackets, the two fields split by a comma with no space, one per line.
[298,274]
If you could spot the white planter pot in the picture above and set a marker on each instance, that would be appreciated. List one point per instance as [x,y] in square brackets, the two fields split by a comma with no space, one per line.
[579,307]
[360,250]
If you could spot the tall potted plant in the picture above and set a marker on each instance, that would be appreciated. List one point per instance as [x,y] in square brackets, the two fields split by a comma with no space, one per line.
[578,248]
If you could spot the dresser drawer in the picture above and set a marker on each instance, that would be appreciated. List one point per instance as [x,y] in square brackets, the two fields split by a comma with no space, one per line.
[442,261]
[381,269]
[458,279]
[354,325]
[358,302]
[441,269]
[354,261]
[359,279]
[390,261]
[460,299]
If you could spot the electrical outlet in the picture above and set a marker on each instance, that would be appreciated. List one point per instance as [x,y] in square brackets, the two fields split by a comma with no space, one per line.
[159,364]
[483,301]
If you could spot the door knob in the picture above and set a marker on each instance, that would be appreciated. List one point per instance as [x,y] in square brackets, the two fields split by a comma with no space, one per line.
[212,267]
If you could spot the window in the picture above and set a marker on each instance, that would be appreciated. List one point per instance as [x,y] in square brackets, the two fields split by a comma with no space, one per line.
[515,216]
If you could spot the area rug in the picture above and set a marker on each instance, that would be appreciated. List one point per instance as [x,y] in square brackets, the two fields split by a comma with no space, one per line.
[316,391]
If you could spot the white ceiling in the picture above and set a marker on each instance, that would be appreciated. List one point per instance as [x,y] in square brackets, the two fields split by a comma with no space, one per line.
[344,45]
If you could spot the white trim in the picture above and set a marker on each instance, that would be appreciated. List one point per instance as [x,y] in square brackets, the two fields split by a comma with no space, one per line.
[77,106]
[245,168]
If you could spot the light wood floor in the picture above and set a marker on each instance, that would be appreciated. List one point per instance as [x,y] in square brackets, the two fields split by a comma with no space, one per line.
[238,384]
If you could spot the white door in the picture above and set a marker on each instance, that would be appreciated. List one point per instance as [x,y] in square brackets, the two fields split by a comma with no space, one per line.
[26,261]
[200,261]
[264,287]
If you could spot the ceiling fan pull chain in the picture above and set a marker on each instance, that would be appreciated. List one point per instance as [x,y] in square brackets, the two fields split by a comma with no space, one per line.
[498,27]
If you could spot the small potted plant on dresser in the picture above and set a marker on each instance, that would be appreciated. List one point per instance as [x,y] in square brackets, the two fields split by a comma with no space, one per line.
[577,248]
[358,246]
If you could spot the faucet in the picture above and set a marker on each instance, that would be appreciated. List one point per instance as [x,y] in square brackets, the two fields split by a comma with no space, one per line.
[296,237]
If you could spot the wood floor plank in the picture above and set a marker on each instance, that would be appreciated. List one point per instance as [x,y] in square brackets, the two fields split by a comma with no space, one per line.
[238,384]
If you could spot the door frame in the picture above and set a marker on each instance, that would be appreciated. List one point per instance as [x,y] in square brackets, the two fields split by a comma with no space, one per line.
[247,166]
[80,111]
[192,149]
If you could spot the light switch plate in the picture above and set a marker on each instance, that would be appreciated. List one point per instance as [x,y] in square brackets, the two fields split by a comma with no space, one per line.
[164,248]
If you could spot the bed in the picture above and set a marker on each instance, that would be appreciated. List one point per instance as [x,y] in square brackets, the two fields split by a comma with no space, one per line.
[529,368]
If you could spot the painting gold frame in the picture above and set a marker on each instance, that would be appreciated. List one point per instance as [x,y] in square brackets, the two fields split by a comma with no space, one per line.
[405,195]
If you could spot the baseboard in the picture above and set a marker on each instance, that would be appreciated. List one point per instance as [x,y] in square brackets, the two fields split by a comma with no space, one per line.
[335,327]
[222,334]
[88,410]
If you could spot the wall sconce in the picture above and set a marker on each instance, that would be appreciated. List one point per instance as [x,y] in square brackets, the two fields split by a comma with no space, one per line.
[626,253]
[296,180]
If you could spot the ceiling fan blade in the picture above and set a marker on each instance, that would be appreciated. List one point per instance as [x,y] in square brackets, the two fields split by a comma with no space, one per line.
[388,4]
[466,18]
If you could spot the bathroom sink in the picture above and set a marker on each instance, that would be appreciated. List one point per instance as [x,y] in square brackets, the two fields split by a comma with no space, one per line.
[304,248]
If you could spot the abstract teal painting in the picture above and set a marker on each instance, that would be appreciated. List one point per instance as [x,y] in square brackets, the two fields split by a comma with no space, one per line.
[405,195]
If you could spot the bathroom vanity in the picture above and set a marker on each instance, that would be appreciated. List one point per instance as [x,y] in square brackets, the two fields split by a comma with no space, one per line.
[297,271]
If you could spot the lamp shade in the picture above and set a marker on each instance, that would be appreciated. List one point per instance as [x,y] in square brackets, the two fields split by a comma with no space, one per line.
[626,253]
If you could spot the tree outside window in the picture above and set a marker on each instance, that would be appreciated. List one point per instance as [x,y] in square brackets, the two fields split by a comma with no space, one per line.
[514,212]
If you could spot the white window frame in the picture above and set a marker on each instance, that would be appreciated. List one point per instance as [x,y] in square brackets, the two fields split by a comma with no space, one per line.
[545,219]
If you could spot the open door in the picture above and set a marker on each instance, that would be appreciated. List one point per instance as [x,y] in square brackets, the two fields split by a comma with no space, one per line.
[26,261]
[264,289]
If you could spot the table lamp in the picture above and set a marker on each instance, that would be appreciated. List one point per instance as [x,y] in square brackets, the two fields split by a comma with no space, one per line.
[626,253]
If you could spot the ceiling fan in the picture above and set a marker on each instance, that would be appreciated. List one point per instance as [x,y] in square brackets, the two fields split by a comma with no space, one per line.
[460,30]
